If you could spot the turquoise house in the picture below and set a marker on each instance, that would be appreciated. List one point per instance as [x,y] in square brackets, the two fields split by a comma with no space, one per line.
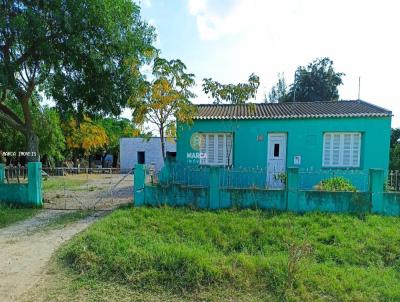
[322,139]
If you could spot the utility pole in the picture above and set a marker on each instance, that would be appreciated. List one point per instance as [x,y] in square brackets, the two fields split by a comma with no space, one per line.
[359,87]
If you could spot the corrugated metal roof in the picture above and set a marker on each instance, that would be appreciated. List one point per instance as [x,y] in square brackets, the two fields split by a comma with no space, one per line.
[356,108]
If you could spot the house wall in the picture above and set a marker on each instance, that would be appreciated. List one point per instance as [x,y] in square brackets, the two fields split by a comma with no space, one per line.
[304,138]
[129,147]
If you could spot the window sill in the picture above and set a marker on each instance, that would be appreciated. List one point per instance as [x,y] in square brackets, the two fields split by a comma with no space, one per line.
[341,168]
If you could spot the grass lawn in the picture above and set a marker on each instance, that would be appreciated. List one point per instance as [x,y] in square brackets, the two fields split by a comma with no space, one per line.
[185,255]
[10,214]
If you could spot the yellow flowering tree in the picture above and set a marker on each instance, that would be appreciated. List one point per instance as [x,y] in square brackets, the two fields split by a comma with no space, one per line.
[86,136]
[165,99]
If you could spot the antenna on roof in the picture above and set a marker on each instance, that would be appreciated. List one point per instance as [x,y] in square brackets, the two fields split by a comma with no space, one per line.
[359,87]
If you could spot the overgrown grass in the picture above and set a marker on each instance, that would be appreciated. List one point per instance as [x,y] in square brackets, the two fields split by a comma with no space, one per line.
[283,256]
[10,214]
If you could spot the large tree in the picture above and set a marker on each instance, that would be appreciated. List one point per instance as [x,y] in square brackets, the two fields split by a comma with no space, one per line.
[165,99]
[84,55]
[318,81]
[46,124]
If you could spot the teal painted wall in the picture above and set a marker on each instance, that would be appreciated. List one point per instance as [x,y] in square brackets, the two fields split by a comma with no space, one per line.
[291,199]
[304,138]
[14,193]
[29,194]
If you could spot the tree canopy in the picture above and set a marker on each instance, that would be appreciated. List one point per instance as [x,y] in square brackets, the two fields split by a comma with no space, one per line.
[318,81]
[47,125]
[232,93]
[165,99]
[279,92]
[84,55]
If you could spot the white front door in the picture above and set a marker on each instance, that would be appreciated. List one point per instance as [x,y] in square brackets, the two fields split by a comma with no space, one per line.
[276,160]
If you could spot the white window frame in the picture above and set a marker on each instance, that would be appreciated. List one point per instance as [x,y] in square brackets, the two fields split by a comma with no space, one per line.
[340,164]
[204,150]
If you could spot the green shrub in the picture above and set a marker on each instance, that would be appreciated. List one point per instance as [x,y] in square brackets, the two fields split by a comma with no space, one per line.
[337,183]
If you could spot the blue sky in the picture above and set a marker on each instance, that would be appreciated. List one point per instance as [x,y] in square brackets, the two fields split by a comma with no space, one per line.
[229,39]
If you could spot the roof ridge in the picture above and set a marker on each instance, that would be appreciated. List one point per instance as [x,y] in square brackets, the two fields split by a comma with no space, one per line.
[349,108]
[288,103]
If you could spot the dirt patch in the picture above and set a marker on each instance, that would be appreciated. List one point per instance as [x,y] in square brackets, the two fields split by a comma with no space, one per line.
[26,250]
[88,191]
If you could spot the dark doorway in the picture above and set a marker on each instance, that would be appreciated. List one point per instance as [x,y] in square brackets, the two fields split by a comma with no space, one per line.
[171,155]
[141,157]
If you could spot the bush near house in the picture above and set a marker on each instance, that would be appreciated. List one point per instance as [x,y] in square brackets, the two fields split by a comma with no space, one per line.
[266,256]
[337,183]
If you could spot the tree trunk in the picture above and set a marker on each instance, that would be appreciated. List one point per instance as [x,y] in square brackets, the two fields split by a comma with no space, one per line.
[32,145]
[162,142]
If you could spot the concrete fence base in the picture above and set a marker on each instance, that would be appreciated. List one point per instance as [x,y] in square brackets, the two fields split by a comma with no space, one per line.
[212,196]
[26,194]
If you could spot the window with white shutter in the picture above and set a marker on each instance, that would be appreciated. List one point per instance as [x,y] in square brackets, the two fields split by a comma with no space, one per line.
[216,149]
[341,149]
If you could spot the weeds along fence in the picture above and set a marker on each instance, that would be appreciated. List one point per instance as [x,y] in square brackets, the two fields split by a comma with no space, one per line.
[310,179]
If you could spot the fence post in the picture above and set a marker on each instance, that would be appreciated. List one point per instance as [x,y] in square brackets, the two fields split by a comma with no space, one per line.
[292,189]
[376,183]
[138,185]
[214,188]
[35,197]
[2,171]
[164,175]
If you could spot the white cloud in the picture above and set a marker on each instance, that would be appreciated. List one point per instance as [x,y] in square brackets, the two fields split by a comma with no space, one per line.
[267,37]
[197,6]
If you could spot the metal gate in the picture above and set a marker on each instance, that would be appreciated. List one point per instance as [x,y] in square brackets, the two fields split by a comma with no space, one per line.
[86,189]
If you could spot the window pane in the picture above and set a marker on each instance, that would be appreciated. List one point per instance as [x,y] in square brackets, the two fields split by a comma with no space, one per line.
[346,149]
[327,150]
[220,149]
[229,149]
[276,150]
[211,149]
[356,150]
[336,150]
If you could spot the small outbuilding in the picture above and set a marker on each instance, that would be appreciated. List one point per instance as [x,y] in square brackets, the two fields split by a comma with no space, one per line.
[320,138]
[138,150]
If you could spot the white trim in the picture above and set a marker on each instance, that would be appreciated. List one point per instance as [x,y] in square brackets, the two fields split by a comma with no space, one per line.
[355,139]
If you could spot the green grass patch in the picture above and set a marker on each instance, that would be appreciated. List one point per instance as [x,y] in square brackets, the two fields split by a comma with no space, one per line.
[58,183]
[10,214]
[283,256]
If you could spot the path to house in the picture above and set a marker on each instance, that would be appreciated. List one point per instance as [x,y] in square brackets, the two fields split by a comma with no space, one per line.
[27,246]
[26,249]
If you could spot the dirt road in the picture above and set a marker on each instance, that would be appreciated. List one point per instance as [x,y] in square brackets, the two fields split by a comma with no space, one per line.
[26,248]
